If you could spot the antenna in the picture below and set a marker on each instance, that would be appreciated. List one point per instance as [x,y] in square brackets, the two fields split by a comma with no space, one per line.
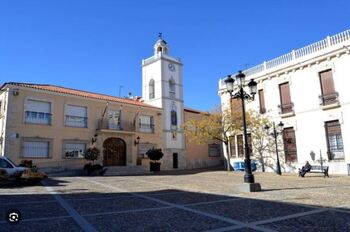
[120,90]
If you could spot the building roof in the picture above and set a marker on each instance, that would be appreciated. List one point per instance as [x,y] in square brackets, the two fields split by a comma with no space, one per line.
[190,110]
[79,93]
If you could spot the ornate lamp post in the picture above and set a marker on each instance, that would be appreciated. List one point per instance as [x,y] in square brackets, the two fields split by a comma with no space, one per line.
[249,183]
[275,133]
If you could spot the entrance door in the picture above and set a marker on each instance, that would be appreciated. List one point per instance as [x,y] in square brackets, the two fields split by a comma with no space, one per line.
[290,145]
[175,160]
[114,152]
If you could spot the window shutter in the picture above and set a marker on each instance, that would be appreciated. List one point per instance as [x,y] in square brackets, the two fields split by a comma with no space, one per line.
[38,106]
[233,147]
[79,111]
[327,84]
[36,149]
[240,145]
[261,100]
[285,93]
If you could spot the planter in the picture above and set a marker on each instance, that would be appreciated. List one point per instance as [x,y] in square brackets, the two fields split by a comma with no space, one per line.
[154,167]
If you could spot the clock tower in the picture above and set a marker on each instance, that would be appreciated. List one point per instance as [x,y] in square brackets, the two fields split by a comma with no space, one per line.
[162,87]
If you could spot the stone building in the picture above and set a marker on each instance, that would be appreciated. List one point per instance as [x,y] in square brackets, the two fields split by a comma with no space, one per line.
[308,90]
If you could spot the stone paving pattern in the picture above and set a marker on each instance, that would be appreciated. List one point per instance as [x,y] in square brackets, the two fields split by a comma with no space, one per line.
[203,200]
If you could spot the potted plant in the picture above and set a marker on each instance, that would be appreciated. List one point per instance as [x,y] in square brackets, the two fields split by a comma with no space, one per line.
[92,154]
[154,155]
[32,174]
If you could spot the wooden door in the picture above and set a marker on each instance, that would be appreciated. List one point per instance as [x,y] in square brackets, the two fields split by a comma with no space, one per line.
[114,152]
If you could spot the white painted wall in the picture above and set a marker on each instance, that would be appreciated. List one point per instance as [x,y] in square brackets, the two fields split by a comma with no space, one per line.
[157,67]
[308,121]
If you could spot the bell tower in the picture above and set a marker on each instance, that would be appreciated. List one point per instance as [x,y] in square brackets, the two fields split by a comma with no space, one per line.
[162,87]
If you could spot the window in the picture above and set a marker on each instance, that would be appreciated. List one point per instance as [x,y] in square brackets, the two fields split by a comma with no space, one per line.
[151,89]
[262,108]
[233,147]
[75,116]
[38,112]
[172,93]
[329,96]
[240,146]
[173,118]
[334,140]
[286,103]
[114,119]
[146,124]
[74,149]
[5,164]
[34,148]
[290,146]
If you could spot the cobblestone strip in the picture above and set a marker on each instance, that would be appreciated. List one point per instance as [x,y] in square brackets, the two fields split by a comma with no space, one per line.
[228,220]
[85,225]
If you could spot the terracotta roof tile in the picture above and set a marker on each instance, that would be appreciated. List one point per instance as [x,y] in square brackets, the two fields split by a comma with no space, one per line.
[80,93]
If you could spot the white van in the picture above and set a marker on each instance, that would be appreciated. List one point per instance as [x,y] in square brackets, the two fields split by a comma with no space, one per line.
[11,169]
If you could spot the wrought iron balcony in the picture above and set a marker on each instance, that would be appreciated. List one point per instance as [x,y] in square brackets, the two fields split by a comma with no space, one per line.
[329,99]
[286,109]
[112,125]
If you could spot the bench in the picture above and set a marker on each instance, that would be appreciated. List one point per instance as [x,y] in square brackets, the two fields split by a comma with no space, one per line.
[318,169]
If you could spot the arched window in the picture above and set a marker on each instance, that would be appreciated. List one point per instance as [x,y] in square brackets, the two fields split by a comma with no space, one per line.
[151,89]
[172,92]
[173,118]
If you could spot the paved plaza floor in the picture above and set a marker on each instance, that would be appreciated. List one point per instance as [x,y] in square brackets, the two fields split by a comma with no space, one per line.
[180,201]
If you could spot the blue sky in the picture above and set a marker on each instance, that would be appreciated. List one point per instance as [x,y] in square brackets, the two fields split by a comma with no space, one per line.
[98,45]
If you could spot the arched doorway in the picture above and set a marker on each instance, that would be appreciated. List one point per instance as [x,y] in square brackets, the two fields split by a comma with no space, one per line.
[114,152]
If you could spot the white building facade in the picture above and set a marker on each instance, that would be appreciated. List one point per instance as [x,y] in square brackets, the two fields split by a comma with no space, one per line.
[308,90]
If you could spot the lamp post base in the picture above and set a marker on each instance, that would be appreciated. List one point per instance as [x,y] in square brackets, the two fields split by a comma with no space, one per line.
[250,187]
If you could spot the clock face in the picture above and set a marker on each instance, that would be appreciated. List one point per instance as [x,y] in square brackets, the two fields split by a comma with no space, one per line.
[171,67]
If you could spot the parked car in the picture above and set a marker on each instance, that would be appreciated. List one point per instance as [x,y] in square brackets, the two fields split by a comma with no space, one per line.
[12,170]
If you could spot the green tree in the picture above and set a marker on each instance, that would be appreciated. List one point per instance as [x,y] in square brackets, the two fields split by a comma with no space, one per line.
[216,125]
[262,141]
[92,154]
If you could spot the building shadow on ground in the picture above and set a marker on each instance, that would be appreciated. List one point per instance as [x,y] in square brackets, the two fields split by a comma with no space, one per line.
[163,210]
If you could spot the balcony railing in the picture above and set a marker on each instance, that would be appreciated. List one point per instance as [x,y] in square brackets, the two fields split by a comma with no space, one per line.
[143,127]
[38,117]
[76,121]
[112,125]
[298,55]
[286,108]
[329,99]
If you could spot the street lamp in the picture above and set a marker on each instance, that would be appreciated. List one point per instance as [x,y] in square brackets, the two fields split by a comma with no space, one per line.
[250,184]
[275,133]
